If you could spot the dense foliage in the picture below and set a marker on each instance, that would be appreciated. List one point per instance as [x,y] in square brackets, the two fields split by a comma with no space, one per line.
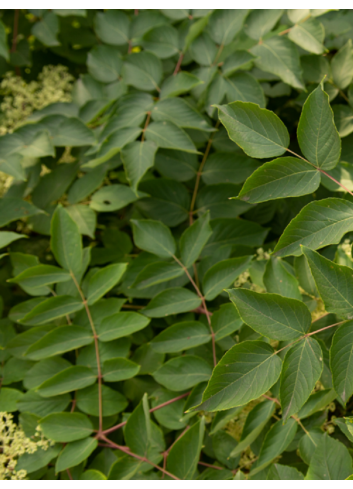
[176,271]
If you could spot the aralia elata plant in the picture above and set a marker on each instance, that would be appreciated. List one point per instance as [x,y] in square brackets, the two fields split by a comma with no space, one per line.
[182,307]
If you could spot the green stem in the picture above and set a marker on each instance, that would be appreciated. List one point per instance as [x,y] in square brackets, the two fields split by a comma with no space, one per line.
[199,173]
[99,371]
[198,292]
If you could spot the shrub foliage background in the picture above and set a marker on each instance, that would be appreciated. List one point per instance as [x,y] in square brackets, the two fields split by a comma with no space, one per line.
[154,326]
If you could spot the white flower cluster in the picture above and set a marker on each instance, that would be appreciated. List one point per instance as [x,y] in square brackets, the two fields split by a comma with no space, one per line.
[20,98]
[14,443]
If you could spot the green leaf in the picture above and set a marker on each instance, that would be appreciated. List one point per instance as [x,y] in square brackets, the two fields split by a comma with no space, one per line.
[308,444]
[343,116]
[163,41]
[302,367]
[104,63]
[31,402]
[179,84]
[41,275]
[102,281]
[244,87]
[31,462]
[47,29]
[65,427]
[143,436]
[184,454]
[113,144]
[121,324]
[240,59]
[317,135]
[215,198]
[225,321]
[334,283]
[342,66]
[279,280]
[8,237]
[85,185]
[66,241]
[177,165]
[341,357]
[112,27]
[9,398]
[330,461]
[261,21]
[11,165]
[43,370]
[72,132]
[225,24]
[172,301]
[280,178]
[113,198]
[317,225]
[259,132]
[316,402]
[138,157]
[4,50]
[169,201]
[279,56]
[40,146]
[195,30]
[58,341]
[15,370]
[304,275]
[171,416]
[70,379]
[254,424]
[143,71]
[14,209]
[272,315]
[276,441]
[181,336]
[179,112]
[194,239]
[117,369]
[53,185]
[168,135]
[74,453]
[222,275]
[91,474]
[183,372]
[154,237]
[85,218]
[52,308]
[112,401]
[309,35]
[156,273]
[125,468]
[246,371]
[231,232]
[284,472]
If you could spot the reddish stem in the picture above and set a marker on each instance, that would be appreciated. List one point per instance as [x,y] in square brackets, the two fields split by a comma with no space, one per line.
[146,125]
[323,329]
[138,457]
[210,466]
[178,65]
[160,406]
